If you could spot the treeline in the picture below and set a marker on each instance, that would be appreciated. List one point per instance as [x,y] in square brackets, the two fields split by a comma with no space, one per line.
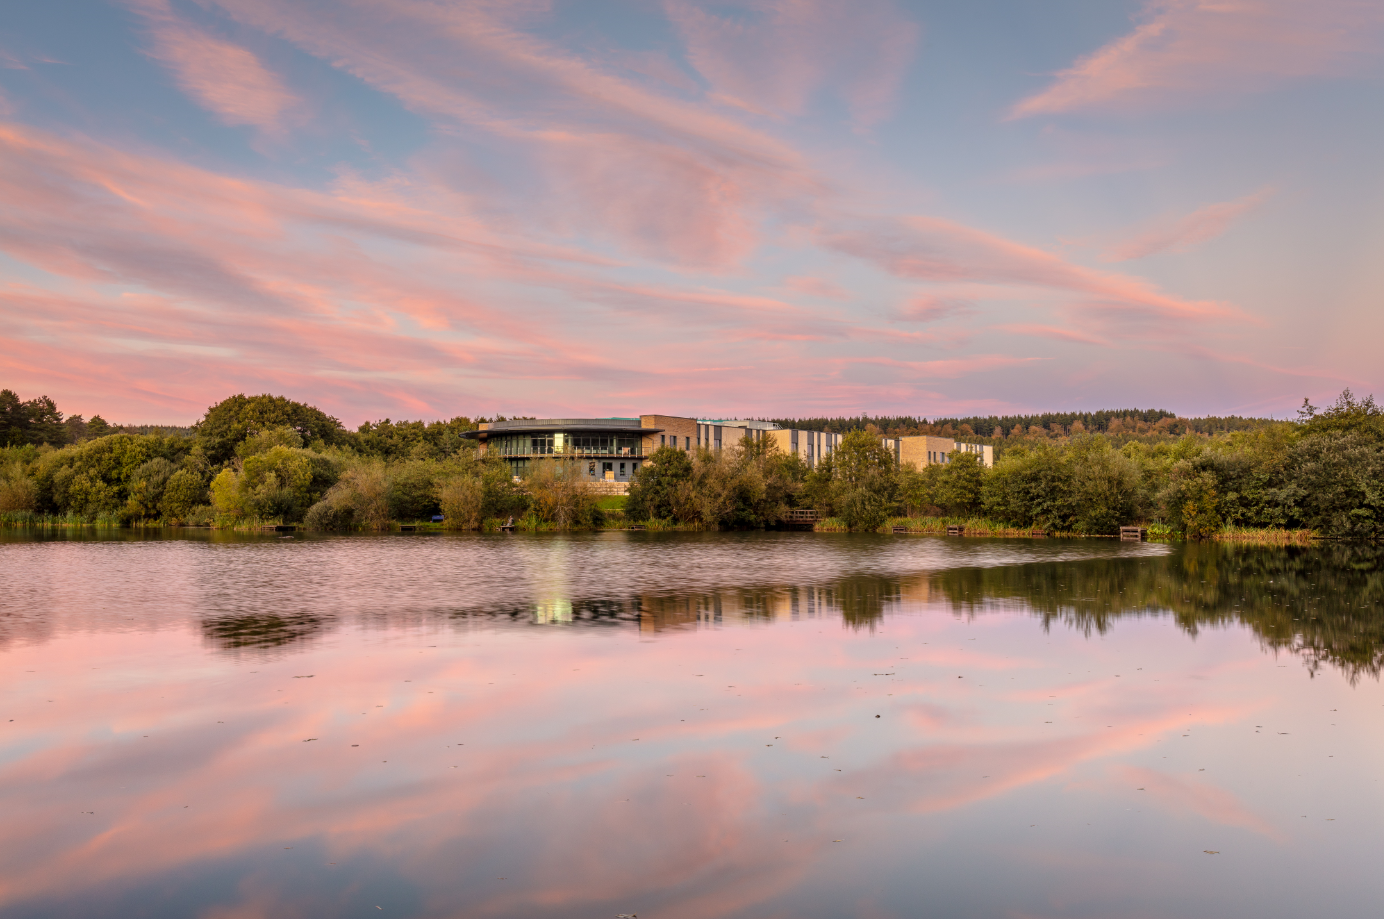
[265,459]
[1324,472]
[996,428]
[249,459]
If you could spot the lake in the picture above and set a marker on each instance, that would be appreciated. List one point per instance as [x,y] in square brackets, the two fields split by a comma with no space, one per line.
[225,726]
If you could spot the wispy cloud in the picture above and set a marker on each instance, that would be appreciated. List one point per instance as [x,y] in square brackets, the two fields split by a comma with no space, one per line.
[224,78]
[771,57]
[1182,233]
[1192,49]
[932,249]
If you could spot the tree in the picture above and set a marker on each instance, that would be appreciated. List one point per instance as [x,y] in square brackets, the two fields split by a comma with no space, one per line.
[37,421]
[1348,415]
[1338,482]
[1031,486]
[229,422]
[863,481]
[1191,501]
[282,482]
[477,488]
[561,494]
[958,484]
[657,488]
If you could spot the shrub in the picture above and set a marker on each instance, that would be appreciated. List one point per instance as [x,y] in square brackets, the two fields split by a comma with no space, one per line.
[281,483]
[358,499]
[18,492]
[561,495]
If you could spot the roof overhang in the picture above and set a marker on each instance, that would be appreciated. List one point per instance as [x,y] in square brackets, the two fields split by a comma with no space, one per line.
[575,426]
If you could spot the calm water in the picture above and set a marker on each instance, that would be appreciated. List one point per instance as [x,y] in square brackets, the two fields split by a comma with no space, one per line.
[685,725]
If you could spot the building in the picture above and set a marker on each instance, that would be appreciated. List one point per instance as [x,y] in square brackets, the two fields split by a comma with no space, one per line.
[926,450]
[613,449]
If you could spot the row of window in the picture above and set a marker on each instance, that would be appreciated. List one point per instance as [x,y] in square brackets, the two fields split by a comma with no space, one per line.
[562,442]
[610,470]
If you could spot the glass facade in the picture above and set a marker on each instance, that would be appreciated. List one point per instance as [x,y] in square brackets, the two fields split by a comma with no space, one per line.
[559,442]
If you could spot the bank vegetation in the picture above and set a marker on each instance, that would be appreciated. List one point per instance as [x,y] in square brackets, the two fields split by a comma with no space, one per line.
[254,461]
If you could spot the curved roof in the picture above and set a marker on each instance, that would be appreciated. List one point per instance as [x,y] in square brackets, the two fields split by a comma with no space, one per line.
[566,425]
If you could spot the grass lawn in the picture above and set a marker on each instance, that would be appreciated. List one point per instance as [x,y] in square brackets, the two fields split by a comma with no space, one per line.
[612,503]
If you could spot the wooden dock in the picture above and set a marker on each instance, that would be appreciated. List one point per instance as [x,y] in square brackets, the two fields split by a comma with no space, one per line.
[279,528]
[1134,534]
[800,518]
[955,530]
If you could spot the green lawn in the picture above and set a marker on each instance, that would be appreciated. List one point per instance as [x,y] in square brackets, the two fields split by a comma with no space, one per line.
[612,503]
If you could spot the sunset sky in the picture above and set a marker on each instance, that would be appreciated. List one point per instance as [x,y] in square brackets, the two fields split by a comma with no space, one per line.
[425,209]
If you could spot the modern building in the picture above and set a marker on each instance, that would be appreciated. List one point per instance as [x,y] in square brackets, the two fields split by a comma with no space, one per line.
[926,450]
[613,449]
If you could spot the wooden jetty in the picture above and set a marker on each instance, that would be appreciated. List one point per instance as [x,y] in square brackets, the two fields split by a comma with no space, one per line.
[953,530]
[279,527]
[801,518]
[1134,534]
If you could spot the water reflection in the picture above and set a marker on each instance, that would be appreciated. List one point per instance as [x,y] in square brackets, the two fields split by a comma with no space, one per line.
[1323,603]
[688,727]
[264,632]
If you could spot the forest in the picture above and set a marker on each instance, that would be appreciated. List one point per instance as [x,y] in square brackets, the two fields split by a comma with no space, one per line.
[255,460]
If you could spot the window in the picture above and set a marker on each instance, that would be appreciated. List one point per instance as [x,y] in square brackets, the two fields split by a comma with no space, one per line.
[663,440]
[687,443]
[622,470]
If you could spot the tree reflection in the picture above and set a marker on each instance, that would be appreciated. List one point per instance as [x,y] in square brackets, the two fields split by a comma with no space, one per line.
[1324,603]
[262,632]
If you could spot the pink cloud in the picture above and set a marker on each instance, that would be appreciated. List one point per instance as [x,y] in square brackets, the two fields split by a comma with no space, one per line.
[1057,333]
[930,308]
[1181,234]
[224,78]
[1187,49]
[815,286]
[669,178]
[934,249]
[771,57]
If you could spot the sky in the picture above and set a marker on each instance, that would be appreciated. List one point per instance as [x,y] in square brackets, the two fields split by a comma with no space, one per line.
[416,209]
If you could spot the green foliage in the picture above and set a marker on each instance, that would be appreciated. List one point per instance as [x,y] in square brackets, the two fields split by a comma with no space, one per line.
[360,498]
[661,488]
[412,491]
[147,488]
[278,484]
[266,440]
[1191,501]
[863,486]
[95,479]
[230,422]
[185,491]
[560,495]
[1339,483]
[395,441]
[18,490]
[1348,415]
[37,421]
[1031,487]
[1104,487]
[476,488]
